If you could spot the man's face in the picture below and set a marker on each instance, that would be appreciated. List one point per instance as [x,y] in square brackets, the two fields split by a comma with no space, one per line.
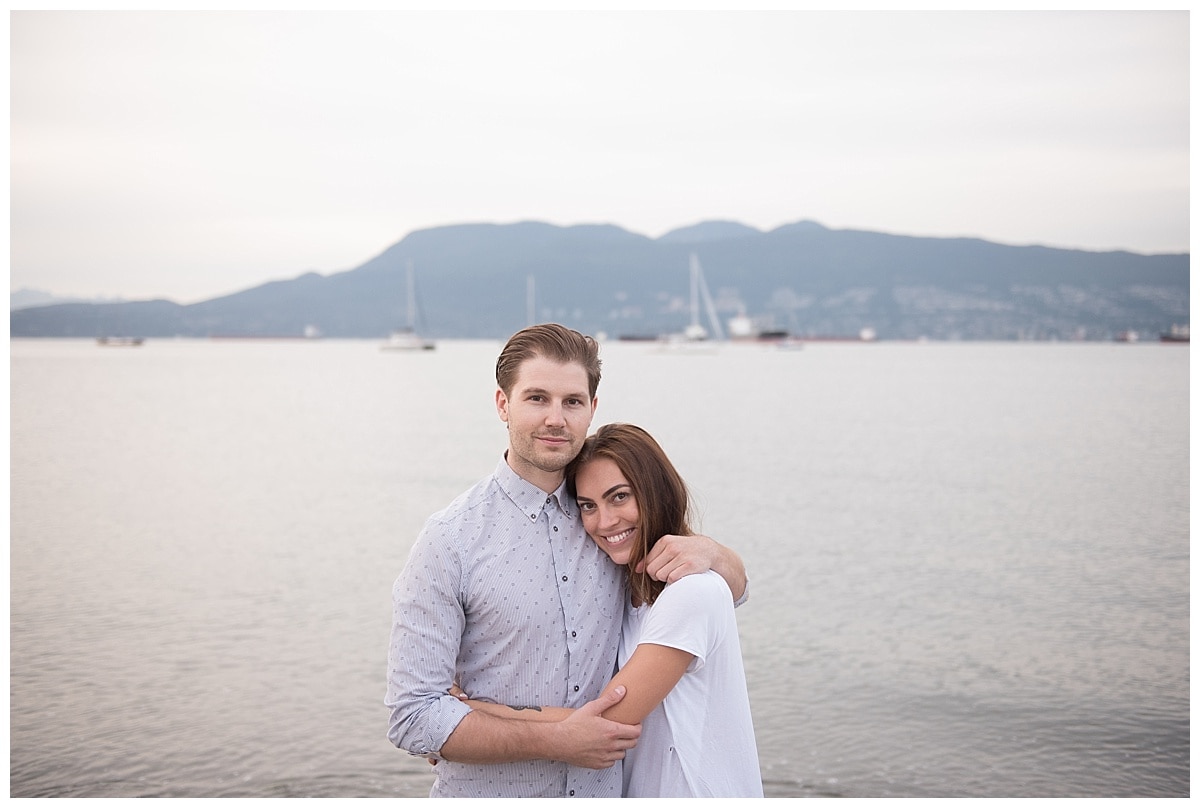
[548,414]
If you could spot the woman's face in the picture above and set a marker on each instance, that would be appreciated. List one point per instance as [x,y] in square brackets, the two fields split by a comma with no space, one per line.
[608,508]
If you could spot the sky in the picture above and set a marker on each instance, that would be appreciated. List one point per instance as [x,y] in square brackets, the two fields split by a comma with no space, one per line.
[187,155]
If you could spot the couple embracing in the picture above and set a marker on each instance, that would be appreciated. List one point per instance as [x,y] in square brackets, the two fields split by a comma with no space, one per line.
[558,630]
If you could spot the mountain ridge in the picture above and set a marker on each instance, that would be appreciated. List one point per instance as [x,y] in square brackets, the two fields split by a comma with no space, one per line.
[801,277]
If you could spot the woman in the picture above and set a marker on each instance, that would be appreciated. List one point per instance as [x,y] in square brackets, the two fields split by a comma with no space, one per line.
[680,659]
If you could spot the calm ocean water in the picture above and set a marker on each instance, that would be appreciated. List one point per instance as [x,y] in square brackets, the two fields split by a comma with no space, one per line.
[969,562]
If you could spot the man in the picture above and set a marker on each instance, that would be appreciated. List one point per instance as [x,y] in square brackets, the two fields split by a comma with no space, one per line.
[505,595]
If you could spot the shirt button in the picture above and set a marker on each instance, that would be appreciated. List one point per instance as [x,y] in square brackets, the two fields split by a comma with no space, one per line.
[576,688]
[572,792]
[564,577]
[573,634]
[556,528]
[533,516]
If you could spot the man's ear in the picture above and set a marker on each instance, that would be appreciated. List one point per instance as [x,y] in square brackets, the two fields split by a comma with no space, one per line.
[502,405]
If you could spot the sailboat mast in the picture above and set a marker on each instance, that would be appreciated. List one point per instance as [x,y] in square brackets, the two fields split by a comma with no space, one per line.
[700,289]
[412,299]
[711,308]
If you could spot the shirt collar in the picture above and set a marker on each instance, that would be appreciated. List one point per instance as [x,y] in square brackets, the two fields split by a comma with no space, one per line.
[528,497]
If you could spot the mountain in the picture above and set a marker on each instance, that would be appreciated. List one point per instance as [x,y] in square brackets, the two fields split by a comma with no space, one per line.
[709,231]
[472,279]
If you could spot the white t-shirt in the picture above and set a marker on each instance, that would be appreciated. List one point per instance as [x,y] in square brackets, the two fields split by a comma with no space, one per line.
[700,741]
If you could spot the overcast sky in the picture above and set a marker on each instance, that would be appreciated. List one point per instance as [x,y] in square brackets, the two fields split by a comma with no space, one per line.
[189,155]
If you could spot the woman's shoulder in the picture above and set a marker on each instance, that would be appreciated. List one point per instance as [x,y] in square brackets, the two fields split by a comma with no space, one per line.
[694,614]
[703,584]
[701,579]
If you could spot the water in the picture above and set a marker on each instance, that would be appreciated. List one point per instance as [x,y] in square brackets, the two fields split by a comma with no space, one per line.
[969,562]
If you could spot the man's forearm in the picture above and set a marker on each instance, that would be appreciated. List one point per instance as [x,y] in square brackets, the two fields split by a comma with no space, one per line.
[729,566]
[583,738]
[519,713]
[486,738]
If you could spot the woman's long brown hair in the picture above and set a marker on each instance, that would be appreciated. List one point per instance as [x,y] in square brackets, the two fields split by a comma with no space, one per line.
[661,494]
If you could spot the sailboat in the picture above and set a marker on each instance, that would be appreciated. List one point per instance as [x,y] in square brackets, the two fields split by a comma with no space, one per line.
[695,334]
[407,339]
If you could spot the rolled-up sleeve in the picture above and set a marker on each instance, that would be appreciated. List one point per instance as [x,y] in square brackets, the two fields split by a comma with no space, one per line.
[745,595]
[427,627]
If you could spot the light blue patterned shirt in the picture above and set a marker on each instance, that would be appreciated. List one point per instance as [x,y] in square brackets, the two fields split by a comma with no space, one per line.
[505,594]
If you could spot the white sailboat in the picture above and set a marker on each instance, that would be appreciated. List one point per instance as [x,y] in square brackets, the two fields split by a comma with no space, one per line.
[696,335]
[407,339]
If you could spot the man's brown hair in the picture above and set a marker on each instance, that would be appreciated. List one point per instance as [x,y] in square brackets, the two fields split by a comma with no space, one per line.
[549,341]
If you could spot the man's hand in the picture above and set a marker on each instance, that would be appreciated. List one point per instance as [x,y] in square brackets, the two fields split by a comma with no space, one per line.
[589,740]
[673,557]
[676,556]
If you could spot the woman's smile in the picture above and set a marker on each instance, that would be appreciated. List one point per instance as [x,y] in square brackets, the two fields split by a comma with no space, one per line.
[620,537]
